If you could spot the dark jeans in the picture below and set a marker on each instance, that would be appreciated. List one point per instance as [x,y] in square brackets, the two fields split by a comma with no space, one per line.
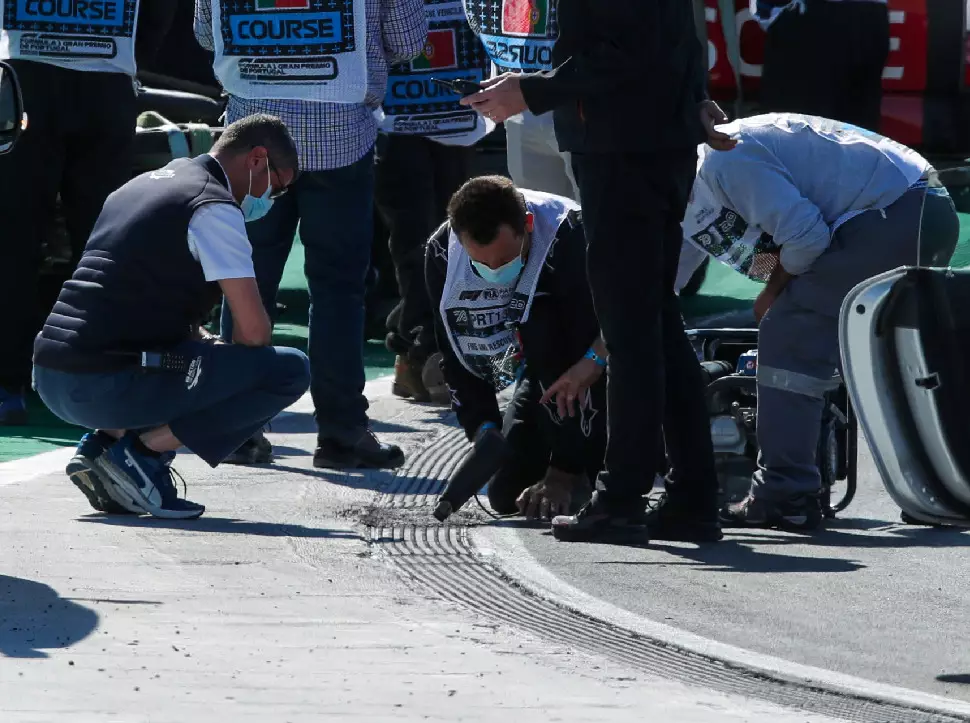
[80,144]
[522,427]
[334,211]
[237,391]
[633,205]
[416,178]
[828,61]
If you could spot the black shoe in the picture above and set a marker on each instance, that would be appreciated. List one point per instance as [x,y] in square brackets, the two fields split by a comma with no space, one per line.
[799,514]
[595,522]
[366,453]
[675,521]
[255,450]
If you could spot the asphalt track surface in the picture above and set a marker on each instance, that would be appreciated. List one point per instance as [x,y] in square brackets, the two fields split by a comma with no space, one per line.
[868,596]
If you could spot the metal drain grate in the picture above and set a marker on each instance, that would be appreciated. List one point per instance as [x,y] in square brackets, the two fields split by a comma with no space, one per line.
[441,558]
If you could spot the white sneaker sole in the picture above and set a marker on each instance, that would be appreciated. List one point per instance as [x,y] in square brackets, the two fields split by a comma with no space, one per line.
[80,467]
[129,488]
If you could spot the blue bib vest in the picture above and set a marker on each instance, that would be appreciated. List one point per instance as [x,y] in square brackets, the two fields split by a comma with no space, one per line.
[414,105]
[137,286]
[93,35]
[518,34]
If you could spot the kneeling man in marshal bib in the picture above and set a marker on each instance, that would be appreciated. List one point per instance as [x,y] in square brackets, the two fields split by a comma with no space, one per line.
[507,276]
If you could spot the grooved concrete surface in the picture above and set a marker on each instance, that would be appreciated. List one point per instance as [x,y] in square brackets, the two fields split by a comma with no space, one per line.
[273,608]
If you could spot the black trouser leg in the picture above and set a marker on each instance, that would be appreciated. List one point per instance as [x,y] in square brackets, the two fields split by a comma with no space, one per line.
[30,177]
[633,205]
[79,143]
[100,154]
[415,178]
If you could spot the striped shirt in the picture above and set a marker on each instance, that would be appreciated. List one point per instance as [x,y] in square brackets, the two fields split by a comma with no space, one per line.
[334,135]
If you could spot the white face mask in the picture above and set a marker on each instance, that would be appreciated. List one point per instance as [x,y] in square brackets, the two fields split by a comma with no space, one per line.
[255,208]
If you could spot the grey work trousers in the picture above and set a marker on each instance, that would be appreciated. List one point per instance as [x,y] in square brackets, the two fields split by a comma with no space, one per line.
[798,346]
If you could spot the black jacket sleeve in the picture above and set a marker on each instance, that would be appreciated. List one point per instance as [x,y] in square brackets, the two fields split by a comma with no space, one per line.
[472,398]
[561,328]
[619,47]
[603,48]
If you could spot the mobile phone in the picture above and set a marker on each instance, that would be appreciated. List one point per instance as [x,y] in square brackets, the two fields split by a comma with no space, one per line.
[459,85]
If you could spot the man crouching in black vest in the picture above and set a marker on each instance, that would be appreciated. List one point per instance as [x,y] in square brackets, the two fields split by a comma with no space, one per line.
[123,352]
[507,277]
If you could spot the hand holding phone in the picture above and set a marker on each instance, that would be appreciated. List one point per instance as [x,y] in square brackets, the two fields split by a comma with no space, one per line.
[459,85]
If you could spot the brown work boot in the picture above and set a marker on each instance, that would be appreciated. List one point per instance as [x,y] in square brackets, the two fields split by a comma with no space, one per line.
[407,380]
[433,379]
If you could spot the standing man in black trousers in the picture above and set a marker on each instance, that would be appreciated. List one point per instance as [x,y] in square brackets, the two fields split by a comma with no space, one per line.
[630,104]
[77,64]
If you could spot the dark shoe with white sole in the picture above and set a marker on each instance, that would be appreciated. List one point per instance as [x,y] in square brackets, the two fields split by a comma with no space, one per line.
[82,471]
[146,480]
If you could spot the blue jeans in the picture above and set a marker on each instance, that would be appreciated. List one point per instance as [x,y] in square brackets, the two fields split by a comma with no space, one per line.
[236,392]
[334,210]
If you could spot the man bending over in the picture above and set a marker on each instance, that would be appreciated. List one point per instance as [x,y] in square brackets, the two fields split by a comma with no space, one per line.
[814,207]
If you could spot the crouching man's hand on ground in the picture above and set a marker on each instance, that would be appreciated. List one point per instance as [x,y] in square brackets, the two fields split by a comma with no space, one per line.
[550,497]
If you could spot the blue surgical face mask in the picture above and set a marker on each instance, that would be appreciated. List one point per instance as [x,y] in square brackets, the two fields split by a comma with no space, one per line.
[255,208]
[504,275]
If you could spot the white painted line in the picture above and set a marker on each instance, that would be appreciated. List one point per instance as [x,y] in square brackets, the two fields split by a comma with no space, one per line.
[503,548]
[53,462]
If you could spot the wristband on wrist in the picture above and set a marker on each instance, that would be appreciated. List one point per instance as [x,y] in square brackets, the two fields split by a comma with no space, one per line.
[484,427]
[591,354]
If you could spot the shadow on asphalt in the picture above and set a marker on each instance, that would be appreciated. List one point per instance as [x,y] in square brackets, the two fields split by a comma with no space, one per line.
[739,551]
[221,525]
[303,423]
[34,618]
[364,479]
[731,556]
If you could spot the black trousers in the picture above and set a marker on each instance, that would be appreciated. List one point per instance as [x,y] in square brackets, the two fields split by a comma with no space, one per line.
[416,178]
[828,61]
[523,430]
[633,205]
[79,144]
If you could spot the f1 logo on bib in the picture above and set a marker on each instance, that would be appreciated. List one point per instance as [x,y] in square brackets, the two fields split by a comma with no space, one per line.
[282,4]
[439,52]
[525,18]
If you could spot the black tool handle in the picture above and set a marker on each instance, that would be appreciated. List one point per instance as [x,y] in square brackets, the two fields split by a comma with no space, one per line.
[490,452]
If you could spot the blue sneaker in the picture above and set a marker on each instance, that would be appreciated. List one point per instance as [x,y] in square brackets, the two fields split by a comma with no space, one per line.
[146,481]
[101,493]
[13,408]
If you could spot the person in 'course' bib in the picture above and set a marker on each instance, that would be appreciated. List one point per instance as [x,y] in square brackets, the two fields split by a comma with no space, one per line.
[518,36]
[76,60]
[423,155]
[322,68]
